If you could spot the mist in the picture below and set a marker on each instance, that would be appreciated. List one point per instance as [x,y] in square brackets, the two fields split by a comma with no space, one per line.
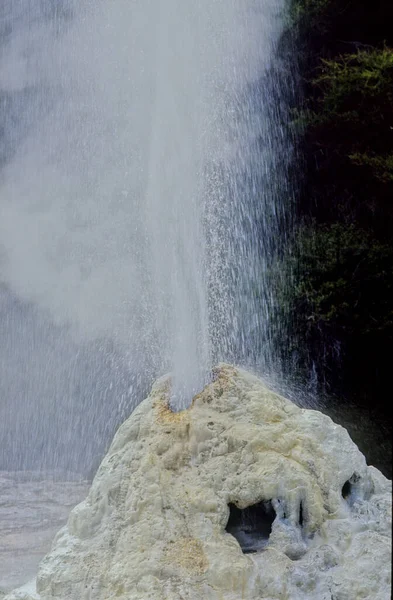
[126,132]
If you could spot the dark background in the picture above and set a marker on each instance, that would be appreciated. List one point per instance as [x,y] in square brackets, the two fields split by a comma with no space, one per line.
[339,309]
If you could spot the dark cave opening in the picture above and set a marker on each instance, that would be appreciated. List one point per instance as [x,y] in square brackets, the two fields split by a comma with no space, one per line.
[251,526]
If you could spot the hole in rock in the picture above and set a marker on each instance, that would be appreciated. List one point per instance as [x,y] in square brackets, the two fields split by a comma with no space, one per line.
[351,490]
[346,491]
[251,526]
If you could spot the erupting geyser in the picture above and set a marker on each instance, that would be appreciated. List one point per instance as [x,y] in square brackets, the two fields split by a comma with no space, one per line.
[138,208]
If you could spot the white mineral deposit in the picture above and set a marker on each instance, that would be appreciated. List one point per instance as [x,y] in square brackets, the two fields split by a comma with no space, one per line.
[241,496]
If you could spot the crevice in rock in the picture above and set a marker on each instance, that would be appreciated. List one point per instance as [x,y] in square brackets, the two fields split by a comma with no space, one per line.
[301,514]
[251,526]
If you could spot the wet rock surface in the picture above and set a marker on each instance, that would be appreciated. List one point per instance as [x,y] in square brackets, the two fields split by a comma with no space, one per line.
[161,515]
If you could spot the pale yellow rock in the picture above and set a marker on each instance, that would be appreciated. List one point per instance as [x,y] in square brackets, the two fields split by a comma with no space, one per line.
[153,524]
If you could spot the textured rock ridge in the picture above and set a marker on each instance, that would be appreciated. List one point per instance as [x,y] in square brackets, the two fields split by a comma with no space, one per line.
[154,524]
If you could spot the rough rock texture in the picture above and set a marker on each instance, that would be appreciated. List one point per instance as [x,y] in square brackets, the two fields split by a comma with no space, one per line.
[153,524]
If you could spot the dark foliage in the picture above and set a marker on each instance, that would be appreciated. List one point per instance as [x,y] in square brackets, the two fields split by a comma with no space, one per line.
[342,254]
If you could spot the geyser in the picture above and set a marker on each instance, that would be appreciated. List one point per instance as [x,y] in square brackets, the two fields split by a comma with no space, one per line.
[137,208]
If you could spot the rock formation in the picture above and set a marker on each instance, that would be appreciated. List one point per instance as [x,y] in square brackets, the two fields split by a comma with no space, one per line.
[243,495]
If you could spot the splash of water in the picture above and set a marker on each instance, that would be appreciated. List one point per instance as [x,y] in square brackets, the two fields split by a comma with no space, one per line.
[136,157]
